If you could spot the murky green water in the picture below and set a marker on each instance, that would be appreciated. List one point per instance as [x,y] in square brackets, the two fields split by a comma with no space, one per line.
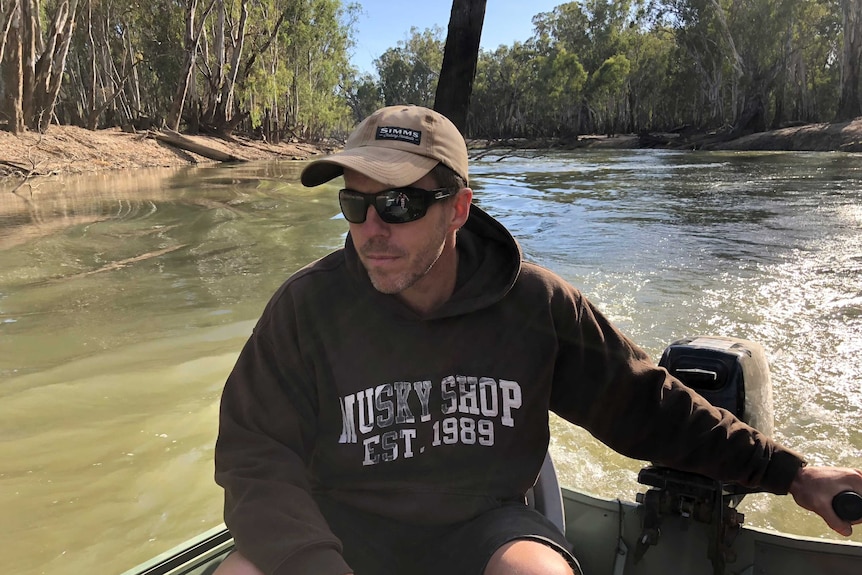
[125,298]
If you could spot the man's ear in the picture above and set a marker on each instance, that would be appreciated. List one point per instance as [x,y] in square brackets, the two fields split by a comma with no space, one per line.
[462,207]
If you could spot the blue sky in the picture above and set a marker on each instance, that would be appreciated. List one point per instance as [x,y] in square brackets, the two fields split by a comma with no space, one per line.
[385,22]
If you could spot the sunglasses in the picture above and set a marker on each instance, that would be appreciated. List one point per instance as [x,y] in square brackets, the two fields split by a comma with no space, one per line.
[394,206]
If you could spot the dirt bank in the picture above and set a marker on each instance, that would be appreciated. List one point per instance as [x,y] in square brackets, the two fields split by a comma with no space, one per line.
[840,137]
[73,150]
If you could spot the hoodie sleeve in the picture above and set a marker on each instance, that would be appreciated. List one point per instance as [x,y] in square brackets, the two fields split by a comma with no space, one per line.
[608,385]
[267,428]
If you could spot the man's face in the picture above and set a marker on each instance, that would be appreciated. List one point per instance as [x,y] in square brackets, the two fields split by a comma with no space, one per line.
[400,258]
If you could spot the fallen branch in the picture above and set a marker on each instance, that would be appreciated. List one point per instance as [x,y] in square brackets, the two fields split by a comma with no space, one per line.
[189,145]
[20,167]
[25,173]
[120,264]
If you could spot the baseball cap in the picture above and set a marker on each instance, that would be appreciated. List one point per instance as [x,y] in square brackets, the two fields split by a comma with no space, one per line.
[395,146]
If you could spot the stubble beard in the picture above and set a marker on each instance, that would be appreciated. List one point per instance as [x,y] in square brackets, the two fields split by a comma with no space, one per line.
[417,267]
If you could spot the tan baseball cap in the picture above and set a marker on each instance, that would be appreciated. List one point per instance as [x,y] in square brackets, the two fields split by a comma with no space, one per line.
[395,146]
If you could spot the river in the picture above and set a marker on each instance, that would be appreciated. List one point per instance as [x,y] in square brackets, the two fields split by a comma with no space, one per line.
[125,298]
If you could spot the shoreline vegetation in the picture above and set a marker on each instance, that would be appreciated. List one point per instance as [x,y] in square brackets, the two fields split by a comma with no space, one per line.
[70,150]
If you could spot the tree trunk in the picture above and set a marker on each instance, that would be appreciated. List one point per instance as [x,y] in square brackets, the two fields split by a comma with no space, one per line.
[192,42]
[5,25]
[135,89]
[175,139]
[850,103]
[91,120]
[33,70]
[50,74]
[217,73]
[226,100]
[753,116]
[176,111]
[12,74]
[459,60]
[28,31]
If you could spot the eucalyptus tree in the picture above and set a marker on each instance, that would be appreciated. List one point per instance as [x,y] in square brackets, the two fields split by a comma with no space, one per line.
[741,50]
[563,81]
[364,95]
[655,102]
[506,97]
[315,43]
[33,59]
[409,72]
[194,28]
[525,91]
[808,87]
[121,57]
[704,55]
[599,33]
[608,93]
[850,103]
[234,38]
[277,62]
[759,34]
[221,66]
[152,33]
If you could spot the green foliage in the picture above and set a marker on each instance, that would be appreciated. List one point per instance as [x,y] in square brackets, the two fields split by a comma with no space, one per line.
[591,65]
[364,96]
[505,98]
[599,32]
[611,76]
[295,73]
[409,72]
[567,76]
[292,60]
[655,99]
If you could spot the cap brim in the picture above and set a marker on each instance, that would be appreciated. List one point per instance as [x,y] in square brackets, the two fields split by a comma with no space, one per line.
[390,167]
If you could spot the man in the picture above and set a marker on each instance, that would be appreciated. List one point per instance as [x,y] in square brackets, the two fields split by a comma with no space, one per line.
[390,410]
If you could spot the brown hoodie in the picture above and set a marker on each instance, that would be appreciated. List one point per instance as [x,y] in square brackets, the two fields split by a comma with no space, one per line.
[344,391]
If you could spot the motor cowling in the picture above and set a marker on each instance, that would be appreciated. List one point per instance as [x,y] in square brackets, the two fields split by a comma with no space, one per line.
[731,373]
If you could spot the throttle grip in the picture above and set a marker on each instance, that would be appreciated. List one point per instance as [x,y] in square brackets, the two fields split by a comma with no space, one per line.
[848,506]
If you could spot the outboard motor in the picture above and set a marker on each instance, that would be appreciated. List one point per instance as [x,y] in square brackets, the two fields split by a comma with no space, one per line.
[730,373]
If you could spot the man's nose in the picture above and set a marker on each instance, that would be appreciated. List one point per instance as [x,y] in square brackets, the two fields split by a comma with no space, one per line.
[373,224]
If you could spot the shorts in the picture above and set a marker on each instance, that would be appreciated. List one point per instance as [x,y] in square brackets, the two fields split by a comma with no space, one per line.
[375,545]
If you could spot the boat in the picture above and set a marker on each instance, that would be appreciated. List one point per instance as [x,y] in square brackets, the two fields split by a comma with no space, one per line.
[682,523]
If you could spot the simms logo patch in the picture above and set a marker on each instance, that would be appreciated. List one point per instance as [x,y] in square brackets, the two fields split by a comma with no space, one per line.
[399,134]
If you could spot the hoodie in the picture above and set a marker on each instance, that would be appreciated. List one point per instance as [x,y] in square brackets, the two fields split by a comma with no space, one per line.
[346,392]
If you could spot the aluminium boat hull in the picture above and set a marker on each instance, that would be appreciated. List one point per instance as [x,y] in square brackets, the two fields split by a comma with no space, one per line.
[604,534]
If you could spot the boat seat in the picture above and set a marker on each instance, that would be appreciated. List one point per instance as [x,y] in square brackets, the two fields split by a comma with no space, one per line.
[546,496]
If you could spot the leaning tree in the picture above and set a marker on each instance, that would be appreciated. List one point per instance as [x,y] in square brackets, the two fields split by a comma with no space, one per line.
[459,60]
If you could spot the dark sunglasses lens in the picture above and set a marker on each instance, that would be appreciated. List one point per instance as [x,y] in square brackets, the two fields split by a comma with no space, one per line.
[401,205]
[395,206]
[353,206]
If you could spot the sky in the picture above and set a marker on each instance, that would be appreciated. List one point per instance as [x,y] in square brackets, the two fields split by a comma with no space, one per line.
[384,23]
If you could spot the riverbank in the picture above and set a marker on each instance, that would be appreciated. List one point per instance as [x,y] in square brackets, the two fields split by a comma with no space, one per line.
[824,137]
[73,150]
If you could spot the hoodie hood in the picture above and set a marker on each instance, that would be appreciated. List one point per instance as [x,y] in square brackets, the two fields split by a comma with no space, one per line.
[489,261]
